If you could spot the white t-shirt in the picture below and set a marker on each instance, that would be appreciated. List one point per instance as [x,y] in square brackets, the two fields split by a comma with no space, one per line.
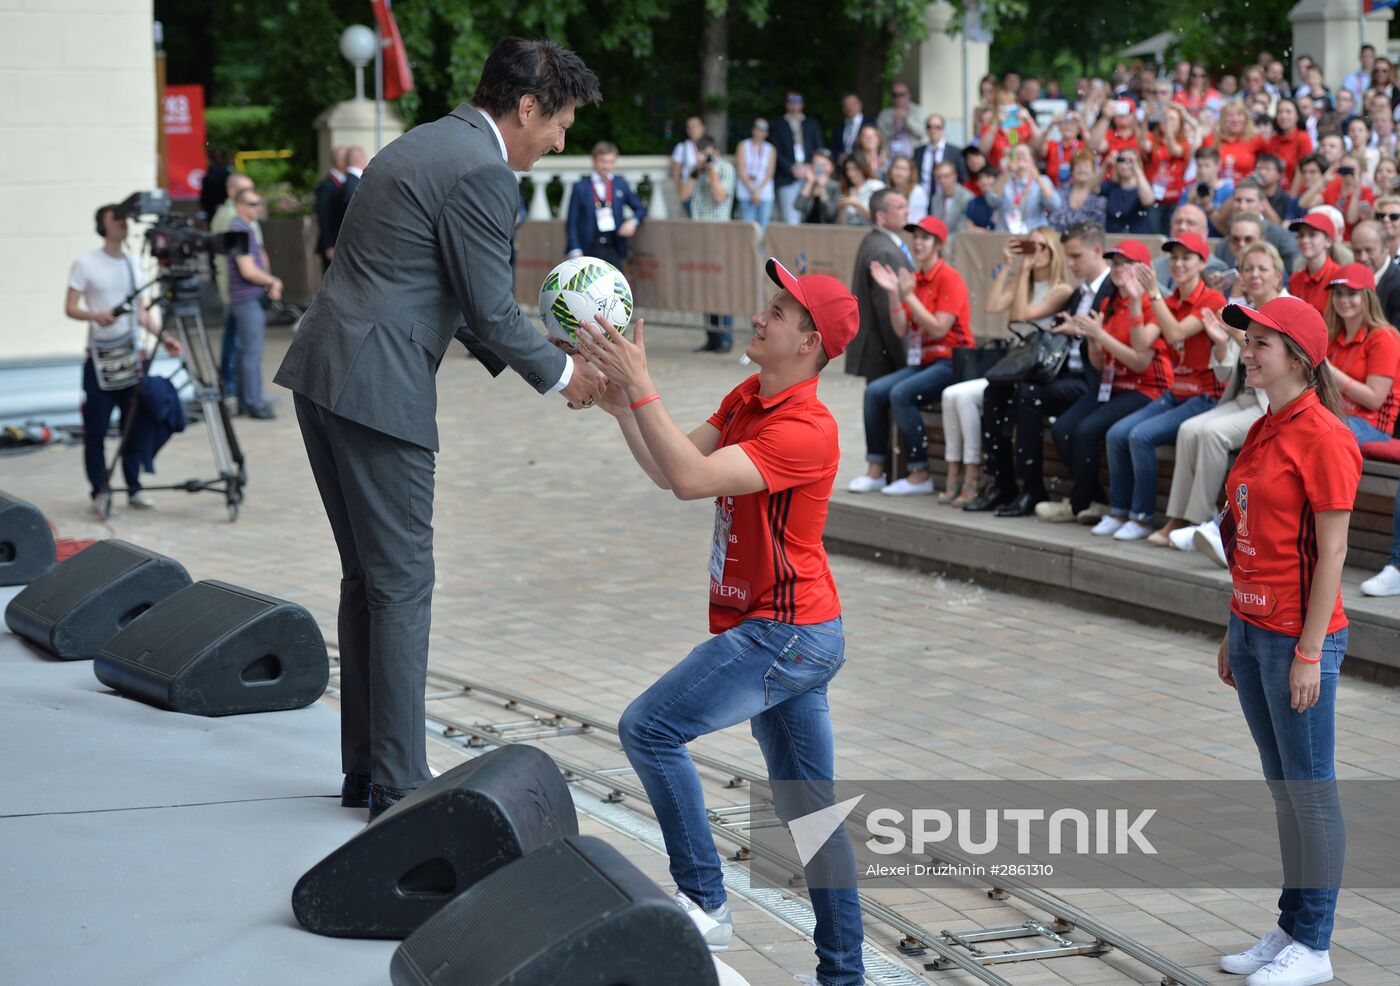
[104,281]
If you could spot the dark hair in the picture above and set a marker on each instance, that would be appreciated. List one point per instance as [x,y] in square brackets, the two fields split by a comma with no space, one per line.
[99,218]
[805,324]
[1207,154]
[1313,159]
[1268,159]
[705,143]
[538,67]
[1249,181]
[877,200]
[1090,234]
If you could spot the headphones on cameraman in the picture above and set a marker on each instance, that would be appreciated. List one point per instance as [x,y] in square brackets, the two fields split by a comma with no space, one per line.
[97,219]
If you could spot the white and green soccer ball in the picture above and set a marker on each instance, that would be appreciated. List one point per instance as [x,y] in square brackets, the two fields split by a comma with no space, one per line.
[578,290]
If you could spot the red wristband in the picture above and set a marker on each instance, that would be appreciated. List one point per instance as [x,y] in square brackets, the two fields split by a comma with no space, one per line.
[644,400]
[1306,660]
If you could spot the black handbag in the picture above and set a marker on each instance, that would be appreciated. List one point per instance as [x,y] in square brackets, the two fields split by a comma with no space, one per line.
[973,362]
[1037,359]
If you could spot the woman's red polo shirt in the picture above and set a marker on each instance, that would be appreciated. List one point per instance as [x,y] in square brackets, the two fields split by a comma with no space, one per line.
[1373,352]
[1191,374]
[1157,378]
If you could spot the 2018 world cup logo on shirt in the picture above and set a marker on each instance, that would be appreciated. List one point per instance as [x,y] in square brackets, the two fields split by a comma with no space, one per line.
[1242,508]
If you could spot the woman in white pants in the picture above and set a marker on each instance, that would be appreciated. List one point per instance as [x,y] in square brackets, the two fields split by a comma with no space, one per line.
[1205,442]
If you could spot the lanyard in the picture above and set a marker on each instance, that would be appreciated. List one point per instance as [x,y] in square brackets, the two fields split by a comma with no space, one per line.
[757,157]
[601,200]
[1017,199]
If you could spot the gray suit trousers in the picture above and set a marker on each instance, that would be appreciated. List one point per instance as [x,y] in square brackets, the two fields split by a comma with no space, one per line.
[378,494]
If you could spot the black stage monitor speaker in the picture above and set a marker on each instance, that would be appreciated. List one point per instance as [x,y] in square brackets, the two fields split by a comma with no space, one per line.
[26,543]
[573,913]
[80,605]
[435,843]
[213,649]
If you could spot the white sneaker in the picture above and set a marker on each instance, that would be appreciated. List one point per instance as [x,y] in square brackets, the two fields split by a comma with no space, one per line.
[902,487]
[1387,583]
[1090,515]
[1296,965]
[1131,531]
[1264,951]
[1183,538]
[141,500]
[865,484]
[1054,511]
[1108,524]
[1207,538]
[716,926]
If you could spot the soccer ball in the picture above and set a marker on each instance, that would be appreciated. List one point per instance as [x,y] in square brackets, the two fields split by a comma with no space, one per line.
[579,289]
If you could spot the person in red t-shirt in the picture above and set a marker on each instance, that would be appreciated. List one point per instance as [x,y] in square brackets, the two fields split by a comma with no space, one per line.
[933,316]
[1237,142]
[1288,500]
[768,457]
[1059,154]
[1311,280]
[1168,157]
[1290,142]
[1363,351]
[1133,441]
[1344,190]
[1013,125]
[1134,370]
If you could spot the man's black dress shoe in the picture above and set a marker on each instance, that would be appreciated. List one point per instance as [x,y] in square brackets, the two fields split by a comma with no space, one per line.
[1022,506]
[382,798]
[988,499]
[354,793]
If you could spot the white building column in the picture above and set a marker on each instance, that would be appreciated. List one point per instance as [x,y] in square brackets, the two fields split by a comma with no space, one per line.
[1330,31]
[942,71]
[352,123]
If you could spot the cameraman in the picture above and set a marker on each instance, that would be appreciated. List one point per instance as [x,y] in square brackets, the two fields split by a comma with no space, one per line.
[710,189]
[98,284]
[249,284]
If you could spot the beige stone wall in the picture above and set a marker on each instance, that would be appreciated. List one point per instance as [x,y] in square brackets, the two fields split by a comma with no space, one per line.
[77,128]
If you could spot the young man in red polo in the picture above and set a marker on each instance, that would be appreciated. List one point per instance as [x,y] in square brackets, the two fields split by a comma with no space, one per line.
[768,457]
[1311,280]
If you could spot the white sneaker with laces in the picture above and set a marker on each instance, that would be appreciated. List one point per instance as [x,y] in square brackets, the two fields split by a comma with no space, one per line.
[1107,525]
[141,500]
[1132,531]
[717,926]
[1260,954]
[902,487]
[1296,965]
[1207,538]
[866,484]
[1387,583]
[1183,538]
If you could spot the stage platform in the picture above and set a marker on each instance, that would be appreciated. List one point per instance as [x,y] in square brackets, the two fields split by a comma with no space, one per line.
[139,846]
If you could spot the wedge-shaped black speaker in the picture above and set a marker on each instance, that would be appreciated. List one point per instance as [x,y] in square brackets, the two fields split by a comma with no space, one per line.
[76,607]
[575,912]
[26,543]
[214,649]
[435,843]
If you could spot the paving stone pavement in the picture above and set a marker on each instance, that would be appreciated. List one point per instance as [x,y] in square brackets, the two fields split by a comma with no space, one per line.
[562,574]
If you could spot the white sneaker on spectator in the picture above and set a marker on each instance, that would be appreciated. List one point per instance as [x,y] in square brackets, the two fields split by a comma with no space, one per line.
[1260,954]
[1207,538]
[1131,531]
[1091,514]
[1387,583]
[866,484]
[717,926]
[1183,538]
[1054,511]
[902,487]
[1108,524]
[141,500]
[1296,965]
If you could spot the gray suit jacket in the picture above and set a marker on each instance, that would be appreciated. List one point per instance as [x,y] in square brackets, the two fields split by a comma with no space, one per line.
[423,256]
[876,349]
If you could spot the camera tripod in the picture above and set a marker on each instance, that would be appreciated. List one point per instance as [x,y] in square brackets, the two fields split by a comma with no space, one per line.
[181,320]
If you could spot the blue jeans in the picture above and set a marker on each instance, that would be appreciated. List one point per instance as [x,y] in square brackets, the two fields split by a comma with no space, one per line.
[1295,746]
[757,212]
[1132,452]
[775,676]
[250,321]
[1367,432]
[98,405]
[719,330]
[1079,432]
[228,355]
[903,392]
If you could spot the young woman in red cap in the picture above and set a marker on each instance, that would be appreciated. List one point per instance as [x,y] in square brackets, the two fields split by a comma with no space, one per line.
[1363,350]
[1133,441]
[1134,370]
[1288,504]
[1311,280]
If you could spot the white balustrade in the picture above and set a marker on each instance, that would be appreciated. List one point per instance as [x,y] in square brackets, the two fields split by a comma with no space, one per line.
[571,167]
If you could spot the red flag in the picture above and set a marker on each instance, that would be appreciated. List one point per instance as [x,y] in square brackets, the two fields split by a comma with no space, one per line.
[398,76]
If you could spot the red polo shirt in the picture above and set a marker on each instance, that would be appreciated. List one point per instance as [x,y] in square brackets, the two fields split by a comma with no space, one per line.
[1333,196]
[942,289]
[1290,149]
[775,566]
[1313,288]
[1191,372]
[1005,140]
[1373,351]
[1157,378]
[1296,462]
[1166,171]
[1236,156]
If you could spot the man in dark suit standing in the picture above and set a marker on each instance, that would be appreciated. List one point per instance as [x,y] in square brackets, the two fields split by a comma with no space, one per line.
[843,136]
[330,212]
[1368,246]
[935,152]
[424,256]
[877,349]
[796,138]
[597,222]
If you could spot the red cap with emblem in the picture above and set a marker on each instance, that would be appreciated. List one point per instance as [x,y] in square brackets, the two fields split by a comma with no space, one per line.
[827,300]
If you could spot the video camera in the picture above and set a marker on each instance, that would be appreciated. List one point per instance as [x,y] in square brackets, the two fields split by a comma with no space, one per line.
[172,238]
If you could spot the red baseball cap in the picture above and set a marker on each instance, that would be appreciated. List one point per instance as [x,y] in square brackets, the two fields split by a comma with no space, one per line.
[1196,244]
[827,300]
[1134,250]
[1317,221]
[1291,316]
[931,225]
[1358,277]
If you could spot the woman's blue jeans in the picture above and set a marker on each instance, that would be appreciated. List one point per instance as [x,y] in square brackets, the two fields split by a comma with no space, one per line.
[1132,452]
[903,393]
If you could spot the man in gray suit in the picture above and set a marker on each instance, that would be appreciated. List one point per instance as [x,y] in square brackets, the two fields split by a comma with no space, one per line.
[877,349]
[423,257]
